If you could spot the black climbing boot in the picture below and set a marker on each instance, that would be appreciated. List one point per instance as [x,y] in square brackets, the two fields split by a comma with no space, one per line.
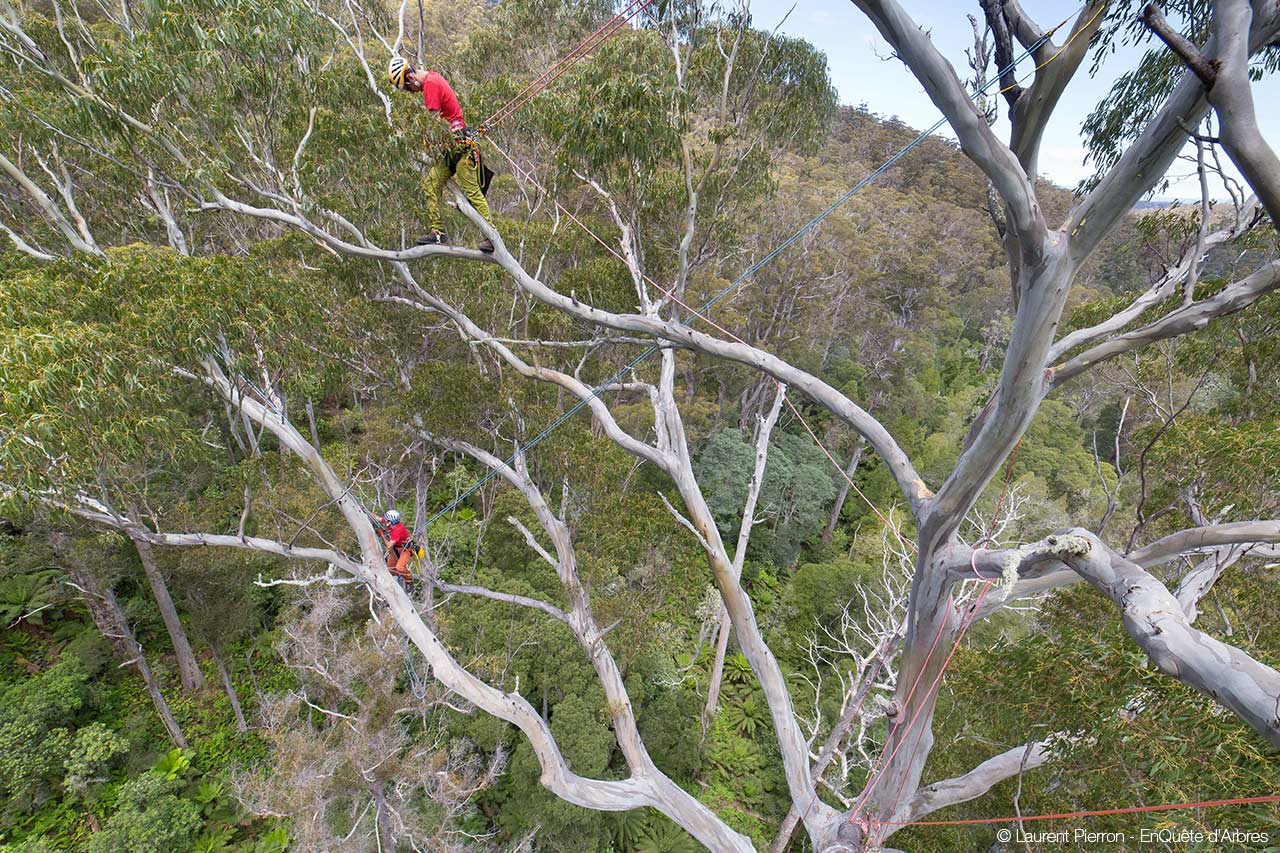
[434,238]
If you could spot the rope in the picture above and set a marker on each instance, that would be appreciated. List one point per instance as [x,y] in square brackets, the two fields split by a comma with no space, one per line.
[937,680]
[970,616]
[968,620]
[866,824]
[715,299]
[1168,807]
[583,49]
[417,684]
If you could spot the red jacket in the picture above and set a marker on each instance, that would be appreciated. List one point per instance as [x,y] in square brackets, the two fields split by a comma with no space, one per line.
[398,534]
[438,97]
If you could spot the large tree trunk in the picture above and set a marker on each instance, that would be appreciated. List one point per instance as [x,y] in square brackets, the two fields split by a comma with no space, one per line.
[241,725]
[384,837]
[717,671]
[188,670]
[109,617]
[843,495]
[934,626]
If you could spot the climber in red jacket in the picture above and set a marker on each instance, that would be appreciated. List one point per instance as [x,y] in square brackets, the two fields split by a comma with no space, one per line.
[461,160]
[399,546]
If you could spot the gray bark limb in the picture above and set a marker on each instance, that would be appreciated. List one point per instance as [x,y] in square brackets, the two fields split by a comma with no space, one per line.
[647,785]
[1231,96]
[1197,315]
[677,333]
[188,669]
[978,141]
[1162,289]
[1029,115]
[241,725]
[1196,583]
[1157,623]
[1149,157]
[110,619]
[1201,538]
[48,209]
[977,781]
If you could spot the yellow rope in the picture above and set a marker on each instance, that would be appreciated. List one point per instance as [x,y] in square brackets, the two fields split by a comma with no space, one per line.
[1101,8]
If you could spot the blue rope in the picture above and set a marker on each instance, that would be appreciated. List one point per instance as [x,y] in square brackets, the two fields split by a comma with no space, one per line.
[734,285]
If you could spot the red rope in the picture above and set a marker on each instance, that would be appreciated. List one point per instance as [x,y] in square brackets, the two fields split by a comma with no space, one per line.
[964,627]
[937,680]
[584,48]
[857,805]
[1237,801]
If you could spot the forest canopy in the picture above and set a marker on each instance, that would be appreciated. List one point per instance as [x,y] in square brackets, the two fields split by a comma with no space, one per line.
[741,511]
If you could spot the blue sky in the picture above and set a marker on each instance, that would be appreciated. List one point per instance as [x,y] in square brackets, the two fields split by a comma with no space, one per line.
[863,73]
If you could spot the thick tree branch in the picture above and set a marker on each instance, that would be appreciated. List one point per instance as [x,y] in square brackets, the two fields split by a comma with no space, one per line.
[1231,95]
[1039,569]
[977,781]
[977,139]
[1203,538]
[647,787]
[998,23]
[74,237]
[1029,115]
[1025,30]
[1161,289]
[1187,52]
[94,511]
[572,384]
[764,430]
[1149,157]
[1234,297]
[1156,622]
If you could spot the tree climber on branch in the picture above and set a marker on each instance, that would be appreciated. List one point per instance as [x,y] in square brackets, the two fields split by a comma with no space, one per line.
[399,546]
[461,159]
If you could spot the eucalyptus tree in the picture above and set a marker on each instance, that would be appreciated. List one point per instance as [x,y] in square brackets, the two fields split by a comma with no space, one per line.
[242,116]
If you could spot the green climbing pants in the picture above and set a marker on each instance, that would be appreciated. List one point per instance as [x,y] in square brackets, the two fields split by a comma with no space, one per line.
[467,172]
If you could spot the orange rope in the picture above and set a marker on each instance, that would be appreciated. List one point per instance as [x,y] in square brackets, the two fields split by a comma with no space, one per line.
[583,49]
[1235,801]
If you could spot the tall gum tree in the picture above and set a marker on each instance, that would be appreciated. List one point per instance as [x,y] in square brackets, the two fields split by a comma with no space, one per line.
[258,155]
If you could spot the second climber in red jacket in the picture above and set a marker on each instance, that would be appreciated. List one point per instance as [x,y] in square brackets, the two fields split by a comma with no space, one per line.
[461,160]
[399,546]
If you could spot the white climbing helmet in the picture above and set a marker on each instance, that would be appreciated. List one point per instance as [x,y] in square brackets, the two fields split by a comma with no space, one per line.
[393,516]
